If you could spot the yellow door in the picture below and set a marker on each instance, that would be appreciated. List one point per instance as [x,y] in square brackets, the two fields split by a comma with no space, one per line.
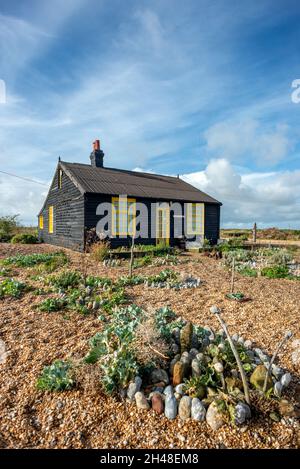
[163,225]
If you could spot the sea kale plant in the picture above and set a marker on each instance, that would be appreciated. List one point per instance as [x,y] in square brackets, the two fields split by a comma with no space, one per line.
[56,377]
[12,288]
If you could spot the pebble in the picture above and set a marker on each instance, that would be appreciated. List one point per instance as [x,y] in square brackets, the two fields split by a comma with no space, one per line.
[134,387]
[178,373]
[214,417]
[168,392]
[278,389]
[196,369]
[180,388]
[170,407]
[248,344]
[157,403]
[198,410]
[286,379]
[159,375]
[141,401]
[242,412]
[184,409]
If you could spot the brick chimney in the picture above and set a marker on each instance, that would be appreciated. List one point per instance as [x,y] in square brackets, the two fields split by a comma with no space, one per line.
[97,155]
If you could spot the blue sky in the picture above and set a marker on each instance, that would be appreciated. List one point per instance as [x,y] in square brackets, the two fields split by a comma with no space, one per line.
[199,88]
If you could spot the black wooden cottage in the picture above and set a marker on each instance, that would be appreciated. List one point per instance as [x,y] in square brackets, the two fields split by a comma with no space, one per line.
[71,207]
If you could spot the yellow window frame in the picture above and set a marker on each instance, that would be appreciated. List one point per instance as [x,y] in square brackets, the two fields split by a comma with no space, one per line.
[164,229]
[123,216]
[195,218]
[50,219]
[41,222]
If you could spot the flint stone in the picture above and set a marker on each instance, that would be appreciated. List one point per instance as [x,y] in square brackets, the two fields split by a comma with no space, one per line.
[242,412]
[178,373]
[286,379]
[198,410]
[184,410]
[196,370]
[179,388]
[193,353]
[141,401]
[248,344]
[170,407]
[157,403]
[278,389]
[169,391]
[159,375]
[186,336]
[134,387]
[214,417]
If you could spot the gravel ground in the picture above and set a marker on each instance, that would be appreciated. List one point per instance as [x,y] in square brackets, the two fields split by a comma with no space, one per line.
[84,417]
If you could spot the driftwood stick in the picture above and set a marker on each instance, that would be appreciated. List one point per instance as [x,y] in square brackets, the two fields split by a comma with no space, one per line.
[285,338]
[158,353]
[232,275]
[216,311]
[131,257]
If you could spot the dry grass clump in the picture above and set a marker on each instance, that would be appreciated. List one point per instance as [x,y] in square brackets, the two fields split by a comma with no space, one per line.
[148,346]
[100,251]
[88,377]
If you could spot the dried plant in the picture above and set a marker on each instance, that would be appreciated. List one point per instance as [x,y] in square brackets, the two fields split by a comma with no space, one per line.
[148,344]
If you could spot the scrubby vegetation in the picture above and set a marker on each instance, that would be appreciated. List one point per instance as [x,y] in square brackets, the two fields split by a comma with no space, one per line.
[24,238]
[268,262]
[56,377]
[12,288]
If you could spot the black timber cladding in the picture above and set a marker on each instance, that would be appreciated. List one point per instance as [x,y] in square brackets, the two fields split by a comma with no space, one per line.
[68,219]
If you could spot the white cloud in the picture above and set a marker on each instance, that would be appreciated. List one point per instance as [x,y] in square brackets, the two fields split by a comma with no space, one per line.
[270,198]
[248,138]
[21,197]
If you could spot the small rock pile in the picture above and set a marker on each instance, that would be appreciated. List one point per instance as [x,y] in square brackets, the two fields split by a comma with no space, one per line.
[202,382]
[111,262]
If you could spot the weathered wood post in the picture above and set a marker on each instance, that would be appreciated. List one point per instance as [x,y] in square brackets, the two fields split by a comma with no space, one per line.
[131,257]
[254,232]
[232,275]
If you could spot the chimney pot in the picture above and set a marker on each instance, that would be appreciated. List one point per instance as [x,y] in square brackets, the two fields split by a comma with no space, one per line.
[96,145]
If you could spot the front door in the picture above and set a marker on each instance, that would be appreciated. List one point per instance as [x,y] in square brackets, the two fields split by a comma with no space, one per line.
[163,225]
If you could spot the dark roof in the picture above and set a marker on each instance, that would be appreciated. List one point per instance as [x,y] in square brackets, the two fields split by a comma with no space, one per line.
[90,179]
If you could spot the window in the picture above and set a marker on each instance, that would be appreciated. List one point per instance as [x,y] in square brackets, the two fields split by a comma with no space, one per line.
[41,222]
[60,174]
[50,219]
[195,219]
[123,216]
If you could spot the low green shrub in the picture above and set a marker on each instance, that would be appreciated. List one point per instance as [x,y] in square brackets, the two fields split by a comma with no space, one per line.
[29,260]
[49,305]
[66,280]
[247,271]
[56,377]
[112,347]
[275,271]
[11,287]
[8,225]
[55,263]
[24,238]
[134,280]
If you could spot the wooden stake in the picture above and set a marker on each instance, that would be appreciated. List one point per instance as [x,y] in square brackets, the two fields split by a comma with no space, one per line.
[254,232]
[286,337]
[232,275]
[237,358]
[131,257]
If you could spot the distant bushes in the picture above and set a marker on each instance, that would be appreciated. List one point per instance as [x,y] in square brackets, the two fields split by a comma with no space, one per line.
[24,238]
[8,225]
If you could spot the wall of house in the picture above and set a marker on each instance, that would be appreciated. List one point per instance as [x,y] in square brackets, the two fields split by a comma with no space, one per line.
[212,223]
[211,217]
[68,218]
